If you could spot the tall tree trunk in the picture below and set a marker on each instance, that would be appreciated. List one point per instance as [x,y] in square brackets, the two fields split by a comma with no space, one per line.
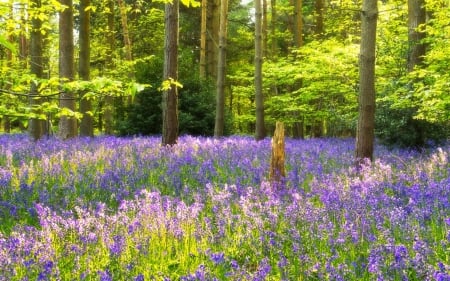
[264,28]
[67,124]
[319,12]
[260,132]
[203,37]
[416,18]
[87,121]
[298,23]
[221,70]
[36,125]
[366,121]
[213,24]
[273,26]
[297,128]
[109,101]
[170,96]
[126,34]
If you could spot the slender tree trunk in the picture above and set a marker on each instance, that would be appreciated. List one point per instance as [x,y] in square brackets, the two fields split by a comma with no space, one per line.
[221,70]
[366,121]
[213,24]
[259,98]
[319,12]
[170,96]
[87,121]
[203,37]
[67,124]
[36,125]
[298,23]
[297,127]
[109,101]
[264,28]
[416,18]
[126,34]
[273,25]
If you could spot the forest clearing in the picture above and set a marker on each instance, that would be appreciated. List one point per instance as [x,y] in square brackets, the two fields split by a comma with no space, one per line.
[109,208]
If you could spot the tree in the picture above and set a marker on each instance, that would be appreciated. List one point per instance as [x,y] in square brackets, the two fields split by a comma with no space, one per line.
[111,46]
[416,33]
[221,70]
[86,124]
[68,122]
[203,36]
[366,119]
[259,98]
[36,123]
[170,75]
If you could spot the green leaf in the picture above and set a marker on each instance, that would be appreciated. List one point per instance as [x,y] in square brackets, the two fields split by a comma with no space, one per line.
[7,44]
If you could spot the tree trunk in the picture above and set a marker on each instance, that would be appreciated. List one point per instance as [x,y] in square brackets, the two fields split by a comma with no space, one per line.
[366,121]
[87,122]
[319,12]
[126,34]
[298,23]
[203,36]
[36,125]
[213,26]
[273,25]
[416,18]
[109,101]
[221,70]
[259,98]
[67,124]
[170,96]
[277,169]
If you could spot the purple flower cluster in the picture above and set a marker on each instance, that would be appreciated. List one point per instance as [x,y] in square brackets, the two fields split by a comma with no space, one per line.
[128,209]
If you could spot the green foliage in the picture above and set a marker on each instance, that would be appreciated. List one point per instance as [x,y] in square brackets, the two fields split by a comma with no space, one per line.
[397,127]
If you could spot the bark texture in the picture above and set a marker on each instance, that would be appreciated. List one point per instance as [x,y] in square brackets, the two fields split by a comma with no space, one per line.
[87,121]
[36,125]
[366,121]
[221,71]
[170,96]
[277,160]
[259,98]
[67,124]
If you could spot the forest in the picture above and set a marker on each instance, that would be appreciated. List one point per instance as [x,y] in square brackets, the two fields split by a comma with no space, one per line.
[224,140]
[99,67]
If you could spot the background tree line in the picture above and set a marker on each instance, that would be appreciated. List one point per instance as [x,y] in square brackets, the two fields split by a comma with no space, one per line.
[98,66]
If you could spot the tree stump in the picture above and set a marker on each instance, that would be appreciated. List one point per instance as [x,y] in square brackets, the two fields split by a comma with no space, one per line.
[277,170]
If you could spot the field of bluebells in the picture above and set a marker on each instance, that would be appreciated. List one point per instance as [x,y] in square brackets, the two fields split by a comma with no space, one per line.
[128,209]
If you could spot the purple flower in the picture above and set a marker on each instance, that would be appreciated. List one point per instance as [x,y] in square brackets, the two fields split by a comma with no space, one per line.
[139,277]
[117,246]
[217,258]
[105,275]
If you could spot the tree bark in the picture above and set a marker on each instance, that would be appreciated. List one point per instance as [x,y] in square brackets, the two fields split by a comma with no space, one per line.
[108,110]
[170,96]
[277,169]
[203,36]
[87,121]
[259,98]
[366,121]
[273,25]
[221,71]
[67,124]
[319,12]
[416,18]
[213,25]
[298,23]
[36,125]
